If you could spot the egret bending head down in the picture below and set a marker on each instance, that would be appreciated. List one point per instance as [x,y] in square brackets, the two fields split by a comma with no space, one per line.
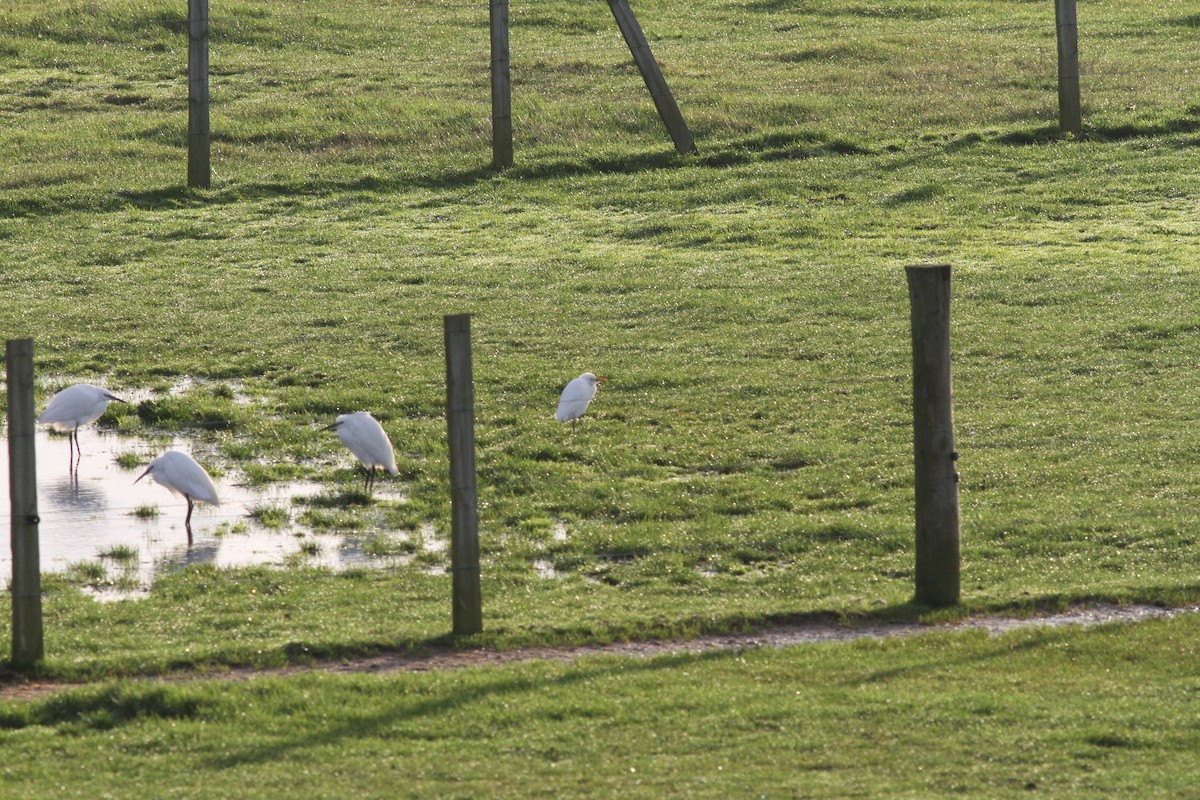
[366,438]
[74,406]
[180,473]
[576,397]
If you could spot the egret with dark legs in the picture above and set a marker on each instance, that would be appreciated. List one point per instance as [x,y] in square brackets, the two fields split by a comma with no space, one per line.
[576,397]
[180,473]
[74,406]
[368,441]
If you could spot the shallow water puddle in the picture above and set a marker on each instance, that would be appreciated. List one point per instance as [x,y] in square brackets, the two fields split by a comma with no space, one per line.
[98,515]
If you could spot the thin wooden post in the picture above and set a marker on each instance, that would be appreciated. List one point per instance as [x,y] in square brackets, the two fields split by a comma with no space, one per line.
[502,137]
[199,135]
[1070,106]
[937,531]
[664,101]
[26,587]
[464,511]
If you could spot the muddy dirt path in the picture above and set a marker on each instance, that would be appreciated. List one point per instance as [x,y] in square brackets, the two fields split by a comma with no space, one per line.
[793,634]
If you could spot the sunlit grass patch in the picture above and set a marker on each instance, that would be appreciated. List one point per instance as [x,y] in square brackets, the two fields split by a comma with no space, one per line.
[239,528]
[381,545]
[270,516]
[119,553]
[130,460]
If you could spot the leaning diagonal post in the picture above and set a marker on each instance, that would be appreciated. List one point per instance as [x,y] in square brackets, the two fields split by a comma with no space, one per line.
[664,101]
[934,457]
[27,644]
[464,511]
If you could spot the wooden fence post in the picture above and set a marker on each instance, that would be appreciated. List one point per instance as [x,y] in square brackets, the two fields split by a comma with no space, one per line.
[199,135]
[26,587]
[464,511]
[936,479]
[502,137]
[664,101]
[1070,106]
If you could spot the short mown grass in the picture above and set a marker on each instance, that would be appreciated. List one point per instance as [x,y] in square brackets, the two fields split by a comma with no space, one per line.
[1064,712]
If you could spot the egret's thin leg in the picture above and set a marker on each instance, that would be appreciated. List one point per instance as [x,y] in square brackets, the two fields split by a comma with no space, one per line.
[72,457]
[187,521]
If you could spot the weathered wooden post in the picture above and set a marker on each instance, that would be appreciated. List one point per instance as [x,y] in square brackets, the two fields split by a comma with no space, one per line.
[464,511]
[934,457]
[502,137]
[664,101]
[199,135]
[26,587]
[1070,106]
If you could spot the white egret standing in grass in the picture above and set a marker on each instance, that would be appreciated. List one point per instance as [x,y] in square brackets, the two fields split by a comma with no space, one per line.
[74,406]
[576,397]
[180,473]
[367,439]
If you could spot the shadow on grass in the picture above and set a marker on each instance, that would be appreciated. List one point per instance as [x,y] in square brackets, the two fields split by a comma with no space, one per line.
[110,706]
[670,642]
[767,146]
[500,686]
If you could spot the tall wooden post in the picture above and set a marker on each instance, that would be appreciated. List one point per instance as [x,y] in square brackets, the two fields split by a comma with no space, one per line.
[664,101]
[502,136]
[464,511]
[27,642]
[1070,106]
[199,135]
[937,530]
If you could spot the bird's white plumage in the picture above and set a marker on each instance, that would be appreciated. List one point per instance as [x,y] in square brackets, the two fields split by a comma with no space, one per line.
[576,397]
[367,440]
[180,473]
[75,406]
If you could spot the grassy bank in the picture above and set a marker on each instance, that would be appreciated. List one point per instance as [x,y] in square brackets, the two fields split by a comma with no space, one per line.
[1063,713]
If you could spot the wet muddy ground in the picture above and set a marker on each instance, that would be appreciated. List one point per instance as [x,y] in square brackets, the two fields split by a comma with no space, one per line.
[93,512]
[808,632]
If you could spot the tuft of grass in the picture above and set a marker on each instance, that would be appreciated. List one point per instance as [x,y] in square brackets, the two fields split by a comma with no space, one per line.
[85,572]
[385,546]
[306,550]
[194,410]
[347,498]
[119,552]
[239,528]
[270,516]
[333,519]
[129,460]
[146,512]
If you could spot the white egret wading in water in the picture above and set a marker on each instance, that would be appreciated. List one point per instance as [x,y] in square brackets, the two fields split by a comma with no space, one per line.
[180,473]
[76,405]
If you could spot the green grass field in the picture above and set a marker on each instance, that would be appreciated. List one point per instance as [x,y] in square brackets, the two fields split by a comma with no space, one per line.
[1108,713]
[749,460]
